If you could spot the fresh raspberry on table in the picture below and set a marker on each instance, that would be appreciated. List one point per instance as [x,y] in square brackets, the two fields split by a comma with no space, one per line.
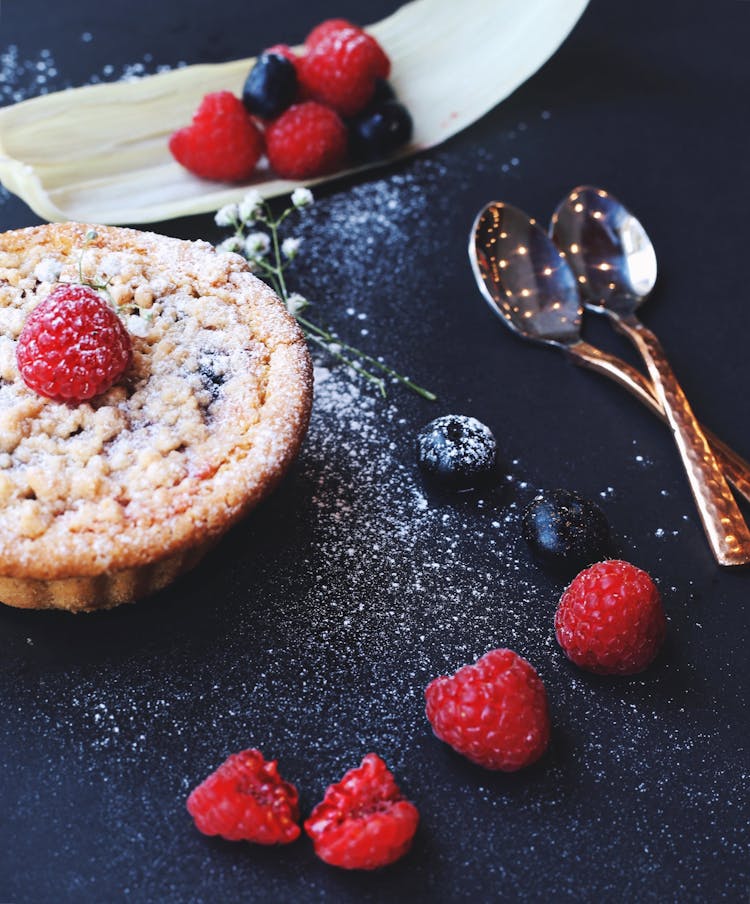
[307,140]
[494,712]
[73,345]
[222,142]
[364,821]
[247,800]
[611,620]
[342,68]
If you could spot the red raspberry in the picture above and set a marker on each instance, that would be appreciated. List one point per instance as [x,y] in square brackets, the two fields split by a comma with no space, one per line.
[247,800]
[382,65]
[364,821]
[307,140]
[221,143]
[494,712]
[328,27]
[340,70]
[73,346]
[611,620]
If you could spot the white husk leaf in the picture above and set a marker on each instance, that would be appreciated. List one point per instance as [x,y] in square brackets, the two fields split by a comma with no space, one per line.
[99,154]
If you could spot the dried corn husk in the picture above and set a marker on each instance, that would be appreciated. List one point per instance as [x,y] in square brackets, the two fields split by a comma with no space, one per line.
[99,154]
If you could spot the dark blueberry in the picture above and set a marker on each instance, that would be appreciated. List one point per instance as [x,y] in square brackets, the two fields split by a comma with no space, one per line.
[379,131]
[383,92]
[213,372]
[456,451]
[271,86]
[566,531]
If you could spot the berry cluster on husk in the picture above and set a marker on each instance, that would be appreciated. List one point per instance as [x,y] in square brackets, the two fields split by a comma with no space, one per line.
[311,112]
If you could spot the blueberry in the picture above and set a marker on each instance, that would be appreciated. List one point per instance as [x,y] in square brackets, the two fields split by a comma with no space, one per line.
[566,531]
[456,451]
[271,86]
[383,92]
[379,131]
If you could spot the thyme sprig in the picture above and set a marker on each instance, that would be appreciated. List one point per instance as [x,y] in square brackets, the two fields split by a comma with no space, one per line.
[270,257]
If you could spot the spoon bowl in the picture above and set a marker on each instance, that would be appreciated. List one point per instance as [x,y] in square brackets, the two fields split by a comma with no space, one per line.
[523,276]
[607,248]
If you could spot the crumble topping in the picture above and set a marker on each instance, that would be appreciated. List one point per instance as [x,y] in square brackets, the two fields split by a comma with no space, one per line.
[189,405]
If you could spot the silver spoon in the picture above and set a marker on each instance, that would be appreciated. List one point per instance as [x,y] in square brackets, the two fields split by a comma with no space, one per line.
[535,293]
[615,265]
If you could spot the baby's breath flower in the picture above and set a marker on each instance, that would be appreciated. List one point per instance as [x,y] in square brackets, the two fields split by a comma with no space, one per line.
[265,255]
[233,244]
[257,244]
[226,215]
[290,247]
[302,197]
[296,303]
[251,206]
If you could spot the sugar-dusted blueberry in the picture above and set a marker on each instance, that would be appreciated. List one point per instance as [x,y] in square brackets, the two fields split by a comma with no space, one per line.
[565,530]
[379,131]
[457,451]
[271,86]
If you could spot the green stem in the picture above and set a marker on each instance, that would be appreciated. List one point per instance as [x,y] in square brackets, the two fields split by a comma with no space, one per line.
[405,381]
[277,255]
[324,338]
[363,372]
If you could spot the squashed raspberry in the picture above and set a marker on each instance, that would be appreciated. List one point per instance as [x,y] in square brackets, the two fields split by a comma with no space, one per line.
[611,620]
[341,70]
[494,712]
[364,821]
[73,345]
[247,800]
[307,140]
[222,142]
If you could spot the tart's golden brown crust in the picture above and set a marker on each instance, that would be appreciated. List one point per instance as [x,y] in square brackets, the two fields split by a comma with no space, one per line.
[106,501]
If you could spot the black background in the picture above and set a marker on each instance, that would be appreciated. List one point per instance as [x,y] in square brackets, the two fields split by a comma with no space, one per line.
[643,793]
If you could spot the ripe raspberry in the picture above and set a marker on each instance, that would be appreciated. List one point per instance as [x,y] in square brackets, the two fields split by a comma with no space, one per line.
[364,821]
[221,143]
[246,800]
[73,346]
[328,27]
[341,69]
[307,140]
[610,620]
[494,712]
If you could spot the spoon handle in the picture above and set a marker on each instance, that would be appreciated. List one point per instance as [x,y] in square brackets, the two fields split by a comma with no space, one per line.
[735,468]
[727,533]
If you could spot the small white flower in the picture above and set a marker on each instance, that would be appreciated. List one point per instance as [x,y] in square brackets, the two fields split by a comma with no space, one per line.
[302,197]
[257,244]
[290,247]
[226,215]
[233,244]
[250,206]
[296,303]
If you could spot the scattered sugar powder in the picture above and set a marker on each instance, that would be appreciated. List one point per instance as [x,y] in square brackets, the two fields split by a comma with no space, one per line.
[317,650]
[314,627]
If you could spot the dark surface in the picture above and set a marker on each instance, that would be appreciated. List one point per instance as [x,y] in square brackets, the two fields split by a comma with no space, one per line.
[288,641]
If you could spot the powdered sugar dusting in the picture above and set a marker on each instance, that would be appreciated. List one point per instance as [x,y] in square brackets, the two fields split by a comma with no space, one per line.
[313,629]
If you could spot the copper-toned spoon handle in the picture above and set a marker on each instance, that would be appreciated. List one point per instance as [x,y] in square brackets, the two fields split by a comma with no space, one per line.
[735,468]
[727,533]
